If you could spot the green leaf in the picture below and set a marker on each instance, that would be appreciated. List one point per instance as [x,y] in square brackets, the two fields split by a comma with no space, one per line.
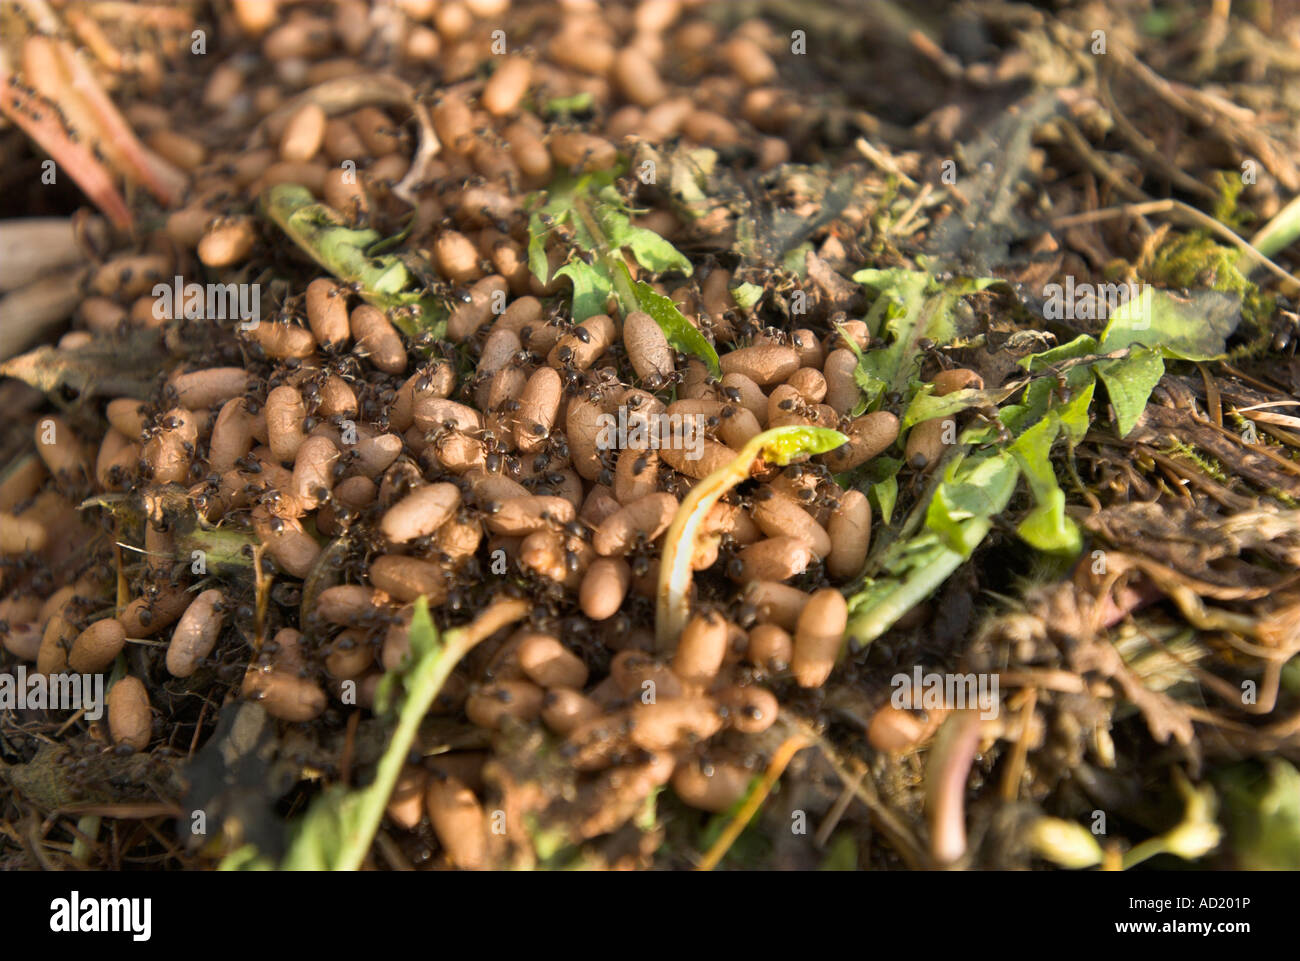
[1040,396]
[973,489]
[651,251]
[1045,527]
[926,406]
[1191,327]
[336,832]
[1129,382]
[1081,346]
[957,518]
[912,306]
[600,222]
[566,106]
[426,644]
[386,280]
[1263,814]
[747,295]
[538,263]
[1075,415]
[681,333]
[885,496]
[871,385]
[592,288]
[899,286]
[784,444]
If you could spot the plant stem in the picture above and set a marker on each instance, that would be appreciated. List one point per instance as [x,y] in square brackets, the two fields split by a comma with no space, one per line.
[427,678]
[919,585]
[610,258]
[780,760]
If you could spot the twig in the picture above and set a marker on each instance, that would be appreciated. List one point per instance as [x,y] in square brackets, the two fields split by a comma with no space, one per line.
[1146,147]
[911,211]
[348,93]
[884,162]
[1016,763]
[1187,212]
[899,835]
[791,746]
[837,810]
[1213,402]
[1098,164]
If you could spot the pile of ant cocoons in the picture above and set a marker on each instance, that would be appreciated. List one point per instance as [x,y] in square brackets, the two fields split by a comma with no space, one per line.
[324,425]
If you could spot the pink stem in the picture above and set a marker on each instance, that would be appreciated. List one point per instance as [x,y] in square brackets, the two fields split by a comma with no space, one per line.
[945,784]
[75,158]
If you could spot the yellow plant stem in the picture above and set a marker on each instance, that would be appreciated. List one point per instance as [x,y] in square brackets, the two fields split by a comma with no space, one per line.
[780,760]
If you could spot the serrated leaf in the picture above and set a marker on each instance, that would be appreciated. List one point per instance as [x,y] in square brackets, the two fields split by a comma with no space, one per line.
[1045,527]
[385,280]
[912,306]
[592,288]
[600,222]
[1129,382]
[926,406]
[681,333]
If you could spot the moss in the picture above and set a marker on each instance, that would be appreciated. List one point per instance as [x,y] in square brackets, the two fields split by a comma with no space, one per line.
[1194,260]
[1208,465]
[1229,186]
